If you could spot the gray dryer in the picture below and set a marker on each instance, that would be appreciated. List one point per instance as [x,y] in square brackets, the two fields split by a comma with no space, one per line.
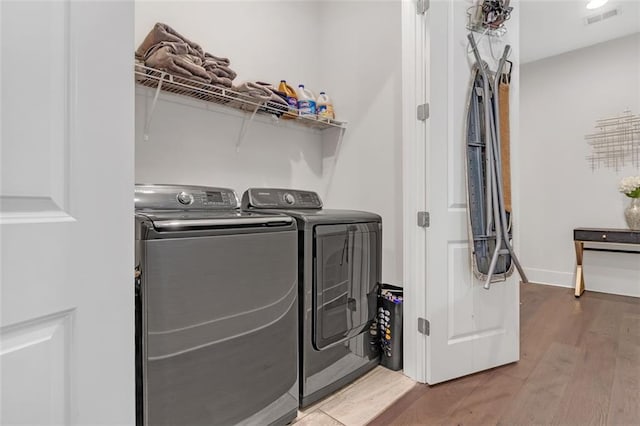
[339,272]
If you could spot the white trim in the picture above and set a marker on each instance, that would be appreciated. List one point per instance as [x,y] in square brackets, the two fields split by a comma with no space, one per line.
[567,280]
[514,129]
[555,278]
[414,57]
[71,103]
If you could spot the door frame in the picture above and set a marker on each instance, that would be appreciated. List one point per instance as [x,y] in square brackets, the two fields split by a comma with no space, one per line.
[415,140]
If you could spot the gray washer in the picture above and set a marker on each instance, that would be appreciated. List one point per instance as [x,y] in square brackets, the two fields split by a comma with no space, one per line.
[339,272]
[216,310]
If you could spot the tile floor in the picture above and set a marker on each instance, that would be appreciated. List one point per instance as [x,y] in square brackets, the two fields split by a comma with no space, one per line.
[359,402]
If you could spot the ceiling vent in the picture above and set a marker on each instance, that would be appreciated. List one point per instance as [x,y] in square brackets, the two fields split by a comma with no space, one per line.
[601,16]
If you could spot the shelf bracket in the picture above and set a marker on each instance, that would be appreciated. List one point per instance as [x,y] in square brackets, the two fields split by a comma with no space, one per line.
[147,125]
[422,6]
[245,125]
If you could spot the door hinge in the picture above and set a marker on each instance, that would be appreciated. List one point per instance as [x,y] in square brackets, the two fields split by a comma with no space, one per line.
[422,6]
[424,221]
[423,326]
[422,112]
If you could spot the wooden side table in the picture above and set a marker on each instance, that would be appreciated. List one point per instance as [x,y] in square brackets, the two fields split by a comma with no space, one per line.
[600,235]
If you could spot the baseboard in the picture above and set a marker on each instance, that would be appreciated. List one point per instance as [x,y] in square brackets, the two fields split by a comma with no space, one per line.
[617,281]
[555,278]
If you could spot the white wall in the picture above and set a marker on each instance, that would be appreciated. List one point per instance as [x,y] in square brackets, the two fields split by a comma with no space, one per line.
[361,70]
[349,49]
[561,98]
[190,144]
[264,39]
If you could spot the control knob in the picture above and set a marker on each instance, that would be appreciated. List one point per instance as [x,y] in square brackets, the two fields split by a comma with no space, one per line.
[185,198]
[289,199]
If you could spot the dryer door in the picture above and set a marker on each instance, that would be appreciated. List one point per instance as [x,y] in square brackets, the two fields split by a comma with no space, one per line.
[346,277]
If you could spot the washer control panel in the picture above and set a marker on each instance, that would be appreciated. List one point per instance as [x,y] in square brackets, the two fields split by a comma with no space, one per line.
[289,198]
[184,197]
[276,198]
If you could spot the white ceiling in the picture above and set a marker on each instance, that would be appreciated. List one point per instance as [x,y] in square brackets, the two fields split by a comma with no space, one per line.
[552,27]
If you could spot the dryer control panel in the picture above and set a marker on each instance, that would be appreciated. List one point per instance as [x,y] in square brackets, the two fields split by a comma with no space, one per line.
[183,197]
[277,198]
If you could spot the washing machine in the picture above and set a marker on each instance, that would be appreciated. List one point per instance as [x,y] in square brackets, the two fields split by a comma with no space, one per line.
[216,310]
[339,272]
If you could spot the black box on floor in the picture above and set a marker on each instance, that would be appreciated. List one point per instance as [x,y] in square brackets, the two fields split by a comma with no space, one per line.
[389,321]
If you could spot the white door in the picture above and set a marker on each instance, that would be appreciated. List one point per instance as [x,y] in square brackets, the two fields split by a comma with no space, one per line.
[471,329]
[66,212]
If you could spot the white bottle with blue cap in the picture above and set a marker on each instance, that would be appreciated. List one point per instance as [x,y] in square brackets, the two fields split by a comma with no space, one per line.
[306,101]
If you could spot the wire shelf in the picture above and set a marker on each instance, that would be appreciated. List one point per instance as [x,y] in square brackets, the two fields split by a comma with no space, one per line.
[478,28]
[616,143]
[476,23]
[169,83]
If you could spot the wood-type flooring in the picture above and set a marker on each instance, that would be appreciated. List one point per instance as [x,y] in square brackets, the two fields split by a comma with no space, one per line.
[579,365]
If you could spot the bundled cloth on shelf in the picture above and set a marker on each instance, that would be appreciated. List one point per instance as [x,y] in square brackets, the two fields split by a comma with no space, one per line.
[250,92]
[163,32]
[222,61]
[261,97]
[177,58]
[218,70]
[167,50]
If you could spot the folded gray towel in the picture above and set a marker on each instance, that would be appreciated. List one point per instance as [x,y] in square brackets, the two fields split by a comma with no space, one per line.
[221,61]
[220,81]
[219,67]
[177,58]
[250,92]
[259,93]
[163,32]
[254,90]
[167,50]
[177,48]
[219,71]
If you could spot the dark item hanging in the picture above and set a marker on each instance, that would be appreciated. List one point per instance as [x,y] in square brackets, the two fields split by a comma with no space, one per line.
[496,12]
[490,15]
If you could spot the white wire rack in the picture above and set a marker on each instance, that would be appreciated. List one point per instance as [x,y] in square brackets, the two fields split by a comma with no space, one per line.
[476,23]
[616,142]
[165,82]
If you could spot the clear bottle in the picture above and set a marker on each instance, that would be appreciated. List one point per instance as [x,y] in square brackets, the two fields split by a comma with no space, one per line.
[325,106]
[306,101]
[292,99]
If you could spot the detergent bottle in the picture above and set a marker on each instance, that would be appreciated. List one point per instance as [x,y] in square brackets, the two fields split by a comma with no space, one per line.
[306,101]
[292,99]
[325,107]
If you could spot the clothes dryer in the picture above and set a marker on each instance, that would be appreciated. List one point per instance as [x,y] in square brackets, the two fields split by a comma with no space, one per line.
[339,269]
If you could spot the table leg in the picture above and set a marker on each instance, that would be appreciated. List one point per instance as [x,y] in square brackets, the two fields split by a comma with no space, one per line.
[579,276]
